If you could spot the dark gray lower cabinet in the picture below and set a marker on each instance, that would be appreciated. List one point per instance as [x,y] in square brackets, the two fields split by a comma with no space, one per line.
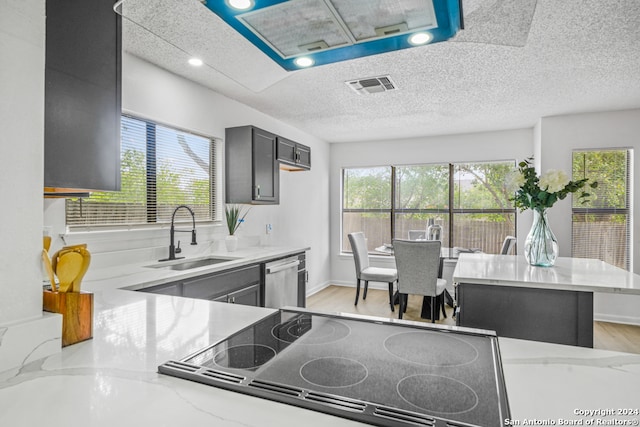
[302,281]
[536,314]
[238,286]
[247,296]
[174,289]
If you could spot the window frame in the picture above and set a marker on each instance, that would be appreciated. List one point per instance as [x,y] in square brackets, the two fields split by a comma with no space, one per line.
[215,186]
[627,210]
[393,210]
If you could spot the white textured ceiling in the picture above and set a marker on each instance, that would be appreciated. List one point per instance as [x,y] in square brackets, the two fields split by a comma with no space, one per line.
[516,61]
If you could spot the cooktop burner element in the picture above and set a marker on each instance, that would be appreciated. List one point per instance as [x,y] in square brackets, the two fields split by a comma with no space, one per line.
[247,356]
[343,372]
[431,348]
[385,373]
[323,332]
[434,393]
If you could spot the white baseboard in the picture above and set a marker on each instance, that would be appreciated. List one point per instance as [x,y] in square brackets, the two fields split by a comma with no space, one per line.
[627,320]
[317,288]
[372,285]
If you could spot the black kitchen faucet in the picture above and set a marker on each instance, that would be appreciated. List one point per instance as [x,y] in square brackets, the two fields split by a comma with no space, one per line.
[172,249]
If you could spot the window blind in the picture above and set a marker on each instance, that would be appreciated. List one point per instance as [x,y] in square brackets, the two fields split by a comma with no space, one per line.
[601,228]
[161,168]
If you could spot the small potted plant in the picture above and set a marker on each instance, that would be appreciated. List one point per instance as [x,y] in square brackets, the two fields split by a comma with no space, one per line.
[235,216]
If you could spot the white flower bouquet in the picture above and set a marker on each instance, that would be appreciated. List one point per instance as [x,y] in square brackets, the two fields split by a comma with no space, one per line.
[540,193]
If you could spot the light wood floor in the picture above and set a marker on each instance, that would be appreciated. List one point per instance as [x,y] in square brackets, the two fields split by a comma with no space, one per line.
[606,336]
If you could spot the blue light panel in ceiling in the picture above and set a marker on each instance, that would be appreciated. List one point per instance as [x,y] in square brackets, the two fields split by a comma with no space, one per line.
[447,13]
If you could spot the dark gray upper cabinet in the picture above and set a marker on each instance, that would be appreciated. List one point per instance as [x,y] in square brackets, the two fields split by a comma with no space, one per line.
[82,96]
[251,166]
[293,155]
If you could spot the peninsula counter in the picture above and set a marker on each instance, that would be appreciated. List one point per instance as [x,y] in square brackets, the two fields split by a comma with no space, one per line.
[552,304]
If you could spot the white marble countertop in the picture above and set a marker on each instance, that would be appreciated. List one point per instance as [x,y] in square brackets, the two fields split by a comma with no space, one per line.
[112,379]
[574,274]
[143,274]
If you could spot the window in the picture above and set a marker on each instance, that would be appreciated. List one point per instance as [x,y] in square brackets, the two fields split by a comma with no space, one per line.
[421,194]
[161,168]
[483,214]
[469,201]
[601,227]
[366,204]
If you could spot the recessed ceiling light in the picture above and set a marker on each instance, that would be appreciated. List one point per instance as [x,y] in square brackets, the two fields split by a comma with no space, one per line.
[196,62]
[240,4]
[304,61]
[420,38]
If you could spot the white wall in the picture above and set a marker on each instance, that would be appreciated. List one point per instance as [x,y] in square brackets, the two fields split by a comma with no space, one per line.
[301,218]
[560,135]
[26,333]
[22,26]
[503,145]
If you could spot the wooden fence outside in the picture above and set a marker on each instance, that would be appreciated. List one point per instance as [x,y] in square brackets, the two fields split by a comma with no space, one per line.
[484,235]
[604,240]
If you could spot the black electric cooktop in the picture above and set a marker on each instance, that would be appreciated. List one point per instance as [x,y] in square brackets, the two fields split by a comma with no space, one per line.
[377,372]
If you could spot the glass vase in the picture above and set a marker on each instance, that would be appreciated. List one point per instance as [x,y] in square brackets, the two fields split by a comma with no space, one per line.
[541,245]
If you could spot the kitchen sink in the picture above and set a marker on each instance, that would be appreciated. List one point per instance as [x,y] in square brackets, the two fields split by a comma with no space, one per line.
[189,264]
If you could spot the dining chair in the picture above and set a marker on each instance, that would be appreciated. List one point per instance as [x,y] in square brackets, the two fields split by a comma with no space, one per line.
[507,245]
[418,263]
[367,273]
[448,266]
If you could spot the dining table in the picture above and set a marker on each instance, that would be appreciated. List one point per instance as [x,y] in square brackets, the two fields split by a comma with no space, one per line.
[445,253]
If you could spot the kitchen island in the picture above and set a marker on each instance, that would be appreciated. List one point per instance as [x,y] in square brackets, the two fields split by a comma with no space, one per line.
[552,304]
[113,380]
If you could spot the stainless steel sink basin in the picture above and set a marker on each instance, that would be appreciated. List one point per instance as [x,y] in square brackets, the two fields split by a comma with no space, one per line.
[189,264]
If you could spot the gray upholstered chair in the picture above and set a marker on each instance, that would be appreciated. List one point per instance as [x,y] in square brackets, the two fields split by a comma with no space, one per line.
[507,245]
[418,263]
[367,273]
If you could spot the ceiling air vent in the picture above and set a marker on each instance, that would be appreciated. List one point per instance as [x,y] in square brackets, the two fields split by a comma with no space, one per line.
[372,85]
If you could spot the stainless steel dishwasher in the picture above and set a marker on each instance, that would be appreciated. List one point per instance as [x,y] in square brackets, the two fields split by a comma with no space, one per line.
[281,283]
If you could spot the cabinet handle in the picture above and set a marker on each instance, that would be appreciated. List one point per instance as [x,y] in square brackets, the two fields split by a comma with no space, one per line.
[257,191]
[233,300]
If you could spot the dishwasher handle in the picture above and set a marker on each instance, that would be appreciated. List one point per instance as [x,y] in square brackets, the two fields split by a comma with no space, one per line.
[280,267]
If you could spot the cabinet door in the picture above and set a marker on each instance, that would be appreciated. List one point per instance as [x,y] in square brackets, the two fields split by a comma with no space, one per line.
[247,296]
[302,281]
[212,286]
[222,298]
[174,289]
[287,151]
[302,288]
[82,95]
[304,156]
[265,167]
